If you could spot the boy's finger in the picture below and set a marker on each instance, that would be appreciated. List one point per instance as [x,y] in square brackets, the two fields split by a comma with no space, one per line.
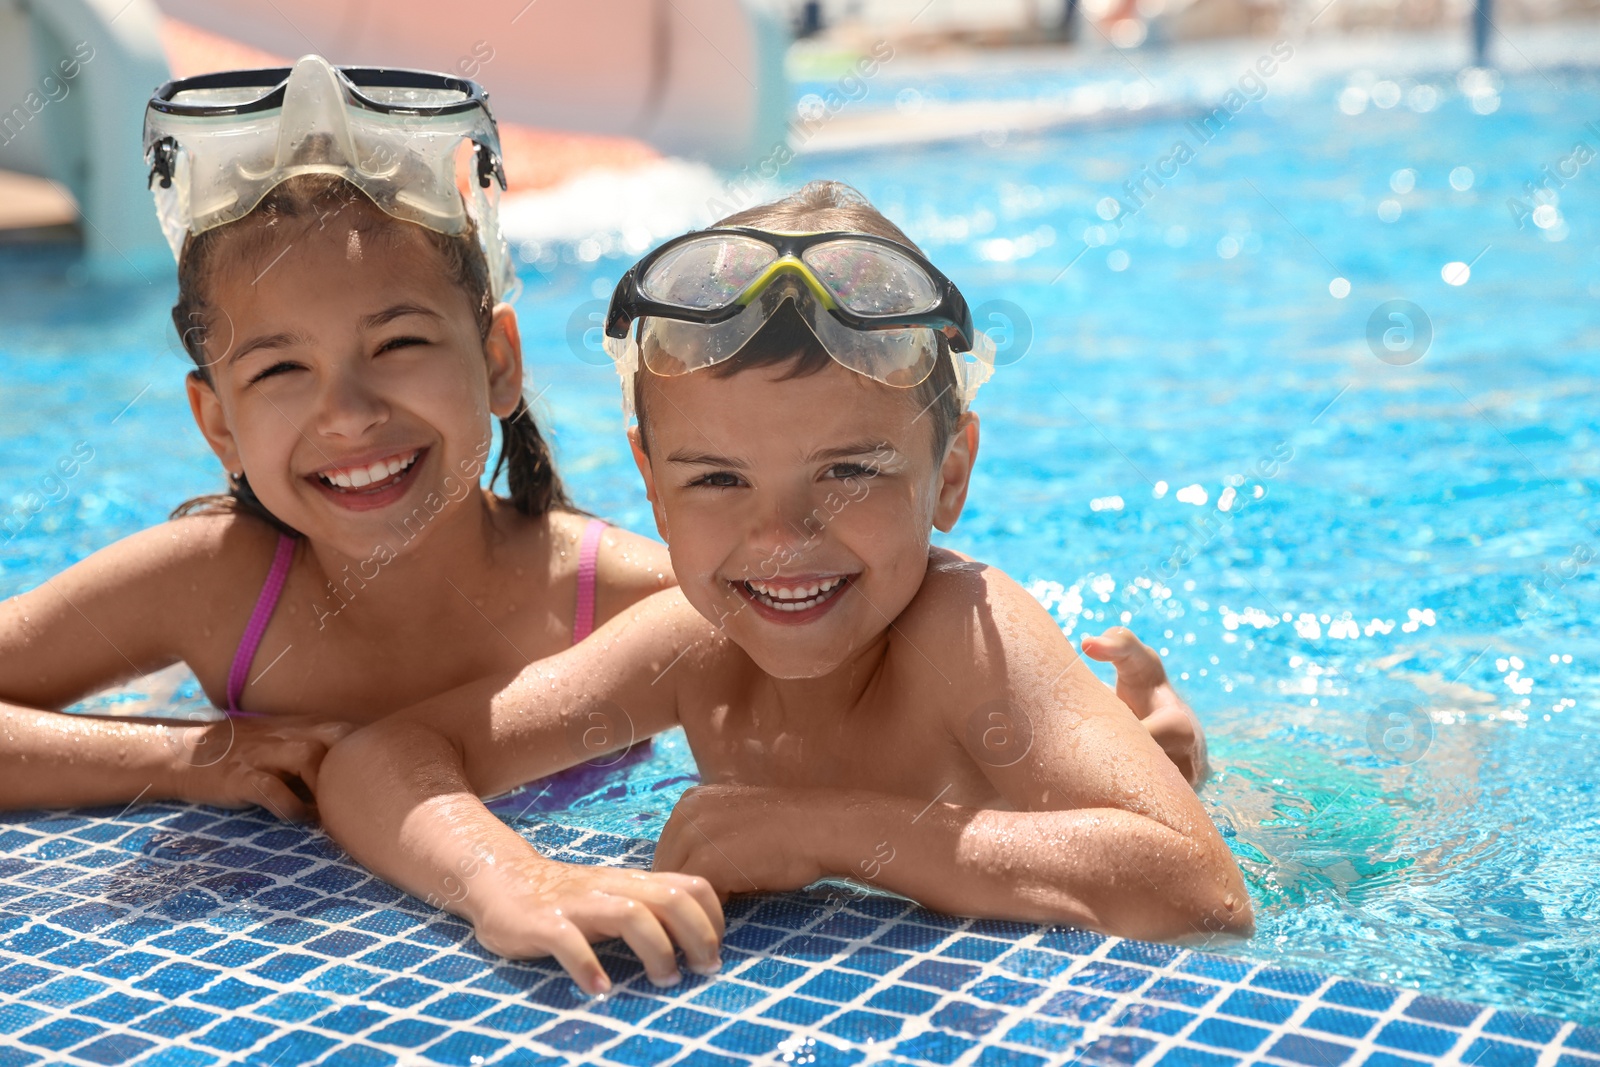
[636,923]
[669,855]
[706,894]
[571,948]
[679,908]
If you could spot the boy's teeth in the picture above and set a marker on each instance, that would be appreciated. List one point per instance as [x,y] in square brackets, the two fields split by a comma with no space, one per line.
[796,598]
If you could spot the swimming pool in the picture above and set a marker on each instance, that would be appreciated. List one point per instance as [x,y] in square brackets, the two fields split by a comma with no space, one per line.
[1419,549]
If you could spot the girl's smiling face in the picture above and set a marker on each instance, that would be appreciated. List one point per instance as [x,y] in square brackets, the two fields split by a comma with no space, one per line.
[348,378]
[798,511]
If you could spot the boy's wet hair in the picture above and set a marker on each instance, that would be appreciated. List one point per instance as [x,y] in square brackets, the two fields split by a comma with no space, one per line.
[312,200]
[786,339]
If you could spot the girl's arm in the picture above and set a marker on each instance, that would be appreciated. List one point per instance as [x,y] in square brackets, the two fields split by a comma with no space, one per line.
[401,795]
[1143,685]
[125,611]
[52,760]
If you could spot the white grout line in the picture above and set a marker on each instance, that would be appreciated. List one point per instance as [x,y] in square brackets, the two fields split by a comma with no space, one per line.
[154,819]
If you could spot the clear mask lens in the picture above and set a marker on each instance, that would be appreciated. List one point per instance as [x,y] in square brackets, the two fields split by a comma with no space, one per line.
[409,96]
[901,357]
[707,274]
[408,165]
[871,279]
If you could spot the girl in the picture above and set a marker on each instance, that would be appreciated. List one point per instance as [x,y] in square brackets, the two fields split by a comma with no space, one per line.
[351,361]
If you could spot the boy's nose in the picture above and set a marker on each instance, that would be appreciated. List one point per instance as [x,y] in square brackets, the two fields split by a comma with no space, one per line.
[786,524]
[347,407]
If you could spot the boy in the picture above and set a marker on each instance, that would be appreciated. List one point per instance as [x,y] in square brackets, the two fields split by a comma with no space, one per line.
[860,704]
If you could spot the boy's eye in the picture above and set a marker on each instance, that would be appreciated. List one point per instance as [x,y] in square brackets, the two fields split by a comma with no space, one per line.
[852,470]
[276,368]
[401,342]
[718,480]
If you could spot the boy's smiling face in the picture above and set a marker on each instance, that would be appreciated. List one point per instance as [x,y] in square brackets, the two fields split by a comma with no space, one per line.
[798,510]
[348,379]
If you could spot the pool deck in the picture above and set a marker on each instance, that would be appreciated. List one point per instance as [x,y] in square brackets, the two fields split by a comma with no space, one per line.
[177,935]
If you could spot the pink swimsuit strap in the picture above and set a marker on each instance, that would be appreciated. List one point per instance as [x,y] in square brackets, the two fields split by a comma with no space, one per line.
[239,674]
[588,568]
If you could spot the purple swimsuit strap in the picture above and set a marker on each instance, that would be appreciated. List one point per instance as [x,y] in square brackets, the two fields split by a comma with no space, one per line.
[239,674]
[588,569]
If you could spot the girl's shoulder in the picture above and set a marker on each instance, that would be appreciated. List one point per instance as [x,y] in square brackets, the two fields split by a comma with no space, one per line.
[168,593]
[222,547]
[628,567]
[210,551]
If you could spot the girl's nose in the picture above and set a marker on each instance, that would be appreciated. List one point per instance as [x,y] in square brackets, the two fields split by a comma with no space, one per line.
[347,407]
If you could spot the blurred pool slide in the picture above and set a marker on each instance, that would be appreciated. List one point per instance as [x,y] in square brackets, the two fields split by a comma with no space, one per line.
[702,79]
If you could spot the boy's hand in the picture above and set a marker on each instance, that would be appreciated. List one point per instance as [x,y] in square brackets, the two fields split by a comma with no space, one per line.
[739,838]
[1142,684]
[557,909]
[236,762]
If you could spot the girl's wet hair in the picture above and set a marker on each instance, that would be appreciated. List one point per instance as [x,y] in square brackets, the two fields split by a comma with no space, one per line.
[312,200]
[785,339]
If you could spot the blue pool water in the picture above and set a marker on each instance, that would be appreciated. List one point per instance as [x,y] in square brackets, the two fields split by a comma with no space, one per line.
[1389,647]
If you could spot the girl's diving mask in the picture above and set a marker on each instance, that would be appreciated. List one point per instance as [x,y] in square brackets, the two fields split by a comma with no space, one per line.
[218,143]
[877,306]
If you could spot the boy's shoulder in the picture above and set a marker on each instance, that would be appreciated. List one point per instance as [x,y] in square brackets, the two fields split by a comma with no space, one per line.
[957,591]
[992,635]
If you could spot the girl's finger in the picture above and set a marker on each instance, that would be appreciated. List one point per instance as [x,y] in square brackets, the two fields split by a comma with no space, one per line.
[299,758]
[1117,643]
[272,794]
[331,733]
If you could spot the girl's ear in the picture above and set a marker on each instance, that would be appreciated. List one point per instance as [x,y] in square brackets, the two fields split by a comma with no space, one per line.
[503,348]
[641,459]
[955,473]
[213,422]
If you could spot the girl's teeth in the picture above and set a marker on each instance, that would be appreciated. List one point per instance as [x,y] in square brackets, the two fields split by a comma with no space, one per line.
[359,477]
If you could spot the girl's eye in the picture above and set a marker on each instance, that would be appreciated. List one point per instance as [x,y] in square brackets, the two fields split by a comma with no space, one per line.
[718,480]
[276,368]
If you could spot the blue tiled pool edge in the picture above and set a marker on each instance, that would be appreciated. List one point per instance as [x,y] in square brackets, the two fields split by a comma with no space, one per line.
[177,935]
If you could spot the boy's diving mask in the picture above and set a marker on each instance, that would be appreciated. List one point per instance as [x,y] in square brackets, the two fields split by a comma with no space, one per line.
[877,306]
[218,143]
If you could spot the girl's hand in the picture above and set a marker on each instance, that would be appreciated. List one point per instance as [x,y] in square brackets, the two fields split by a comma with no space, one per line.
[236,762]
[556,909]
[1142,684]
[740,839]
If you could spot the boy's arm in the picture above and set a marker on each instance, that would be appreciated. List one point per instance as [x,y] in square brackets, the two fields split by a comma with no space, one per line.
[1104,831]
[402,795]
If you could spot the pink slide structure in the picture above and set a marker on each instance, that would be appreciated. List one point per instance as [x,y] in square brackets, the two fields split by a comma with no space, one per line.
[696,78]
